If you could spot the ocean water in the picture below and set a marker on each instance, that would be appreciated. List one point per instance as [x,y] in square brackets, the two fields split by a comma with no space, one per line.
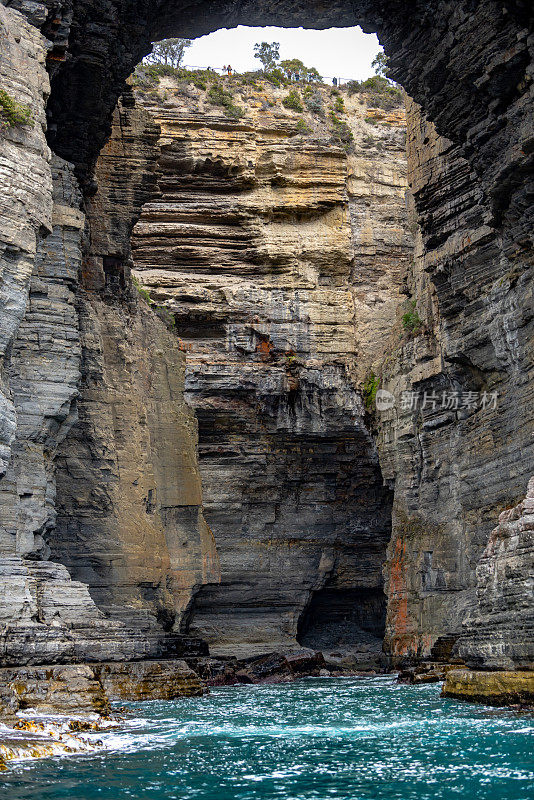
[316,739]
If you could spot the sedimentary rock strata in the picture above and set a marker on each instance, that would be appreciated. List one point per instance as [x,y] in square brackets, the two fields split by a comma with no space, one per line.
[252,244]
[500,632]
[458,442]
[26,199]
[496,688]
[97,447]
[149,680]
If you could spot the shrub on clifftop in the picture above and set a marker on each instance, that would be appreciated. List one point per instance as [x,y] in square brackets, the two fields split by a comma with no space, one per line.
[293,101]
[220,97]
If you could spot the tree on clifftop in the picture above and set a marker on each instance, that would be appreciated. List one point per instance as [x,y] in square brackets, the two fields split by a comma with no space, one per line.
[268,54]
[380,63]
[295,69]
[169,52]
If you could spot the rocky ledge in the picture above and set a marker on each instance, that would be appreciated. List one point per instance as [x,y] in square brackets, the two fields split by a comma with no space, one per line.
[499,688]
[270,668]
[82,689]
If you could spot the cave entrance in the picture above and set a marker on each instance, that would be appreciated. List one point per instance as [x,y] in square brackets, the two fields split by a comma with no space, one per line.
[346,624]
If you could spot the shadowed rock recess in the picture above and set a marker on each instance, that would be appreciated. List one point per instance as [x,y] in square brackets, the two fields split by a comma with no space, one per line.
[209,465]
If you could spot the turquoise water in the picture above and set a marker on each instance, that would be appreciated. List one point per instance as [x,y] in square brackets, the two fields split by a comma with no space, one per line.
[316,739]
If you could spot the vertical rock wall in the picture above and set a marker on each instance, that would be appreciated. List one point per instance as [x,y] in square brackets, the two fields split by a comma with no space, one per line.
[130,521]
[121,510]
[26,199]
[454,468]
[467,453]
[279,258]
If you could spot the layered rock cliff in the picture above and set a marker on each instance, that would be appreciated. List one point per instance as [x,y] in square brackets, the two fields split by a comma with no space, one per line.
[459,441]
[279,257]
[99,478]
[74,334]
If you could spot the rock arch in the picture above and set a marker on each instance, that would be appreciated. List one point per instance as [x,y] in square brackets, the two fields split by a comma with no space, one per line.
[469,66]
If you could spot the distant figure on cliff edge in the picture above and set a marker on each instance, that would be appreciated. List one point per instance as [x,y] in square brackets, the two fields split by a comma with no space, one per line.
[334,81]
[229,70]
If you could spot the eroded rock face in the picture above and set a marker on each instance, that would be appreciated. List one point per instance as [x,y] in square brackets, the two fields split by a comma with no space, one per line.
[26,197]
[149,680]
[470,69]
[500,688]
[86,689]
[467,452]
[130,522]
[69,689]
[44,372]
[44,615]
[134,502]
[252,243]
[500,632]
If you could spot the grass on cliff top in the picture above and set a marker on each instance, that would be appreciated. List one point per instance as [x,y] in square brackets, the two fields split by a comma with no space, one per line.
[380,92]
[146,76]
[13,113]
[326,104]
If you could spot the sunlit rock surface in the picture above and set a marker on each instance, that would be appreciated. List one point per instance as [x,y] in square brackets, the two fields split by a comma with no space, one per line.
[279,257]
[498,688]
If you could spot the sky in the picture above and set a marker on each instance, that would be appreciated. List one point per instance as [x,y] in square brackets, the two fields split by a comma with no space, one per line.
[344,53]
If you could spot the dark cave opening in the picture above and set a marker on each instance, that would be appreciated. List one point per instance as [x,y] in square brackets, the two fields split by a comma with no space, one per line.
[344,618]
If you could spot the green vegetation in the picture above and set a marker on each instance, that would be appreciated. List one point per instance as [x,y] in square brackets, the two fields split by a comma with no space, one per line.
[339,103]
[221,97]
[279,73]
[380,63]
[250,79]
[295,69]
[13,113]
[293,101]
[314,103]
[145,294]
[370,388]
[162,311]
[411,321]
[380,92]
[302,127]
[341,133]
[168,52]
[276,77]
[268,54]
[146,76]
